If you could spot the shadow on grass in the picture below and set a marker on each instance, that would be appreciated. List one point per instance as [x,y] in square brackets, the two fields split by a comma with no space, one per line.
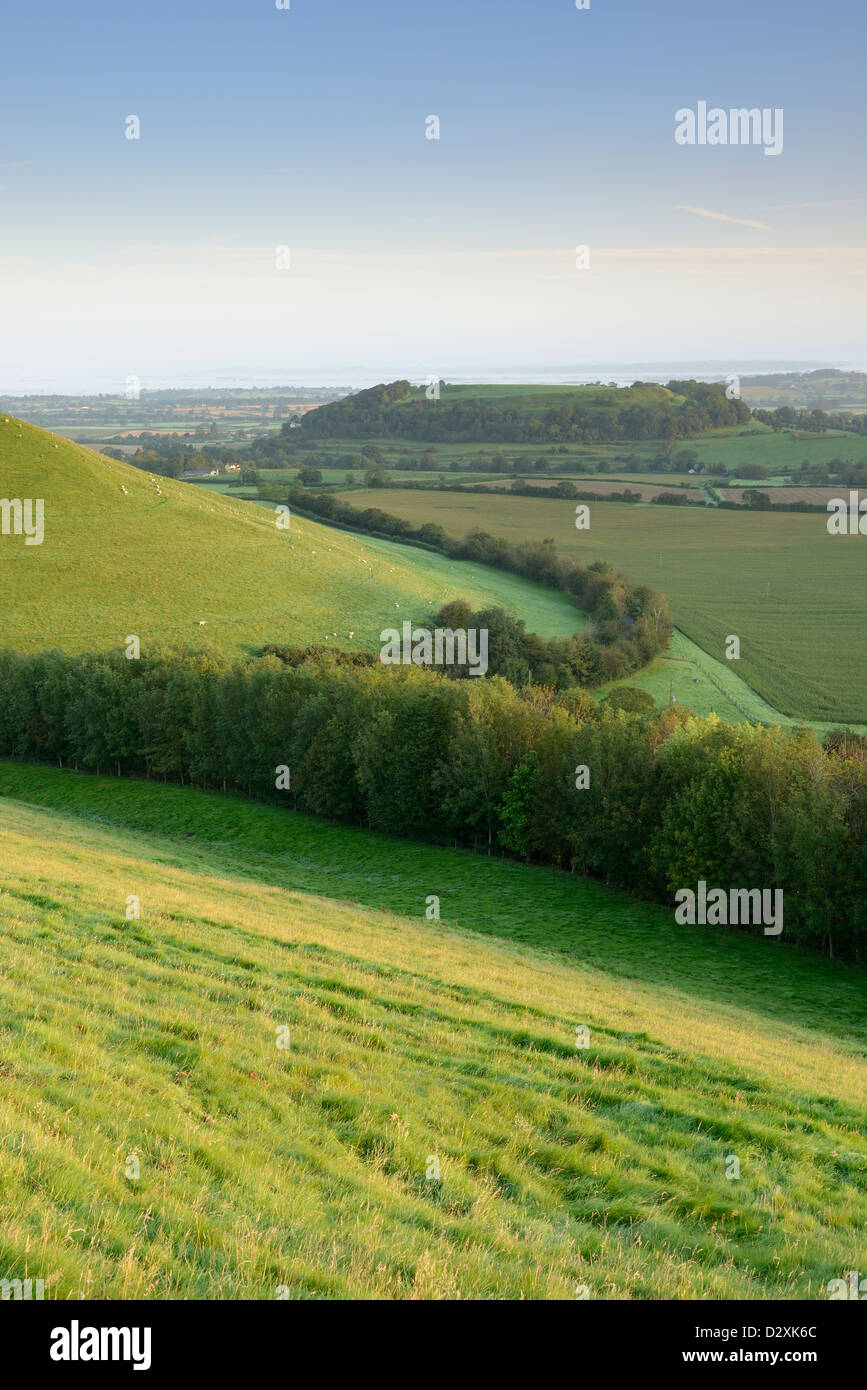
[576,918]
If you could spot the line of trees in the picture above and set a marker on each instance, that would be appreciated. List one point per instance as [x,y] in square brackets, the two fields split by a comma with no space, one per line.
[566,488]
[670,799]
[524,658]
[630,623]
[753,498]
[756,500]
[787,417]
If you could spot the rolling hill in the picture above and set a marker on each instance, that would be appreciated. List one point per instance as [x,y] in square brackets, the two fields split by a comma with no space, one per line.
[432,1130]
[519,414]
[126,552]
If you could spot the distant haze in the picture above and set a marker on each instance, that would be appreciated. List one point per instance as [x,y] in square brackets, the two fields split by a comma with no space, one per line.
[72,381]
[342,193]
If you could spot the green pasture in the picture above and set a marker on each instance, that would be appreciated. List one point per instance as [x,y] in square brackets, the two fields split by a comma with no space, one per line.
[429,1128]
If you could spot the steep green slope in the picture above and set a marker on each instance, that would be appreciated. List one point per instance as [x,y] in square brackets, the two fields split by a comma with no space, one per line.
[415,1047]
[125,553]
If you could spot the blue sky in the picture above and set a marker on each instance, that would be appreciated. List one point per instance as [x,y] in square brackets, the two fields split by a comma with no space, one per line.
[306,127]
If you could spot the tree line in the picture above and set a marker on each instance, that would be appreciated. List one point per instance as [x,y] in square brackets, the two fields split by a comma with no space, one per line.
[564,489]
[787,417]
[630,623]
[661,800]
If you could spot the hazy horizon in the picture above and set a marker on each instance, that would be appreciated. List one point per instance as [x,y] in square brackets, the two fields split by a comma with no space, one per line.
[356,378]
[219,188]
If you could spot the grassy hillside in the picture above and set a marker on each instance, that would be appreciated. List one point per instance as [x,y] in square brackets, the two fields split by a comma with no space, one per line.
[125,552]
[530,399]
[410,1041]
[520,398]
[794,595]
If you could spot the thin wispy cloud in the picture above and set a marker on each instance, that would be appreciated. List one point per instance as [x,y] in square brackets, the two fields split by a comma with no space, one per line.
[25,164]
[723,217]
[825,203]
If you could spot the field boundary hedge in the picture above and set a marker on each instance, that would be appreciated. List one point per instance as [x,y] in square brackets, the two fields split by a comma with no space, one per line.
[631,623]
[663,800]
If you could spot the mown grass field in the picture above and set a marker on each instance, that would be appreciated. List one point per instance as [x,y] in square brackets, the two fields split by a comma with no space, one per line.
[410,1041]
[794,595]
[125,553]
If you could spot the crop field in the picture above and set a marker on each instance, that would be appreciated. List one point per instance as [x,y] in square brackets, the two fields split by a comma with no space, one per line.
[468,455]
[125,553]
[794,595]
[705,686]
[781,452]
[429,1128]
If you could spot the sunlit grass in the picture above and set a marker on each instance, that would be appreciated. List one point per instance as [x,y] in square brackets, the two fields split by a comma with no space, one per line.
[125,553]
[411,1040]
